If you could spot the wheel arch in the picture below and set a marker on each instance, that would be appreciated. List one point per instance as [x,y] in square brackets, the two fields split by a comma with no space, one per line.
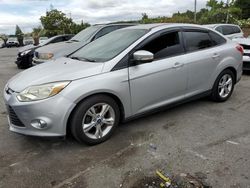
[113,96]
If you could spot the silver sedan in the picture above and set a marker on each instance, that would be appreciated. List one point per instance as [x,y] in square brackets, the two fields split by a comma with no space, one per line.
[120,76]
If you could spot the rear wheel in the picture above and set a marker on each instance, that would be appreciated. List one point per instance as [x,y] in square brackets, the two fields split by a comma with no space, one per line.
[95,119]
[223,86]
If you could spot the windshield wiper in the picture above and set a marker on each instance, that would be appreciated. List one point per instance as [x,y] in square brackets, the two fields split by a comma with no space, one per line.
[83,59]
[73,40]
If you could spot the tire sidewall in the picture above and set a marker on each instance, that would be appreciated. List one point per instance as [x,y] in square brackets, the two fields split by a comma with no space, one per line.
[215,93]
[78,115]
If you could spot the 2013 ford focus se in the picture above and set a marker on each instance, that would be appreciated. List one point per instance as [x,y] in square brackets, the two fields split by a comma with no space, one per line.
[124,74]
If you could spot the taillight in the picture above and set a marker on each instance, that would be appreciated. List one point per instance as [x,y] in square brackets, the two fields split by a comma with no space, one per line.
[240,49]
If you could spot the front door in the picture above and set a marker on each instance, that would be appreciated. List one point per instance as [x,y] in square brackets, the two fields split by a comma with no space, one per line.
[162,81]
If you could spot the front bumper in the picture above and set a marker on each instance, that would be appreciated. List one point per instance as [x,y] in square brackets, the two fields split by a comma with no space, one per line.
[24,61]
[246,60]
[37,61]
[54,111]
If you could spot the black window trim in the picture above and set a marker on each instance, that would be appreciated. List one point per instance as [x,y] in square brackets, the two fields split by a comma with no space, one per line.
[126,61]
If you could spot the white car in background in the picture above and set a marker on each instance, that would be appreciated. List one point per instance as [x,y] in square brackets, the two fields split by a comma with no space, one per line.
[235,33]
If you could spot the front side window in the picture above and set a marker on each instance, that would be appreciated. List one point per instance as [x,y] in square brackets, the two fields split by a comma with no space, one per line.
[197,40]
[227,30]
[165,45]
[86,34]
[109,46]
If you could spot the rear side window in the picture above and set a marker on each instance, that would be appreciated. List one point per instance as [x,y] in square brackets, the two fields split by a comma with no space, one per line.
[236,29]
[216,39]
[196,40]
[165,45]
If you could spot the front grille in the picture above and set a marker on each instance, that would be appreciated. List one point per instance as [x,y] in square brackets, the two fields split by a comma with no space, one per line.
[13,117]
[246,66]
[246,47]
[245,54]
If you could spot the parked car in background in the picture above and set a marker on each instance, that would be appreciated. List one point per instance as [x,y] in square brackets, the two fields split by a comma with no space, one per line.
[12,42]
[122,75]
[43,39]
[28,40]
[61,49]
[235,33]
[26,53]
[1,43]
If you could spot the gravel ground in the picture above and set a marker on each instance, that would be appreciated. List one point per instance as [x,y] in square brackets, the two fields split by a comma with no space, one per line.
[200,137]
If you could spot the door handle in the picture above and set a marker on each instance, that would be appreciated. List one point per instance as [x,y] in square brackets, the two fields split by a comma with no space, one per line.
[178,65]
[215,55]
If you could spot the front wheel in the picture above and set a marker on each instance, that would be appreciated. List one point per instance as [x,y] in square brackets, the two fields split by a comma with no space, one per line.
[223,86]
[95,119]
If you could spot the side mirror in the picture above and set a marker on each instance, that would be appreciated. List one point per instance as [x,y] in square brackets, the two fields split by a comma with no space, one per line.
[143,56]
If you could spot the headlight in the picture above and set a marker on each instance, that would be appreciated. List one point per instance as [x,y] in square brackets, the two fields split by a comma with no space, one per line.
[39,92]
[25,52]
[45,55]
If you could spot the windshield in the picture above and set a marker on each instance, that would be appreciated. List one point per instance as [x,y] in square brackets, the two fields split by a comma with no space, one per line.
[85,34]
[108,46]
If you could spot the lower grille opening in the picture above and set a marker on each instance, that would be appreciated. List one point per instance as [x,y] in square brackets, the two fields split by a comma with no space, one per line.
[13,118]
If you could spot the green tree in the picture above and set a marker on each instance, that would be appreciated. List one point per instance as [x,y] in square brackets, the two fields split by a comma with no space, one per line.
[4,38]
[76,28]
[55,22]
[19,35]
[244,5]
[36,33]
[219,12]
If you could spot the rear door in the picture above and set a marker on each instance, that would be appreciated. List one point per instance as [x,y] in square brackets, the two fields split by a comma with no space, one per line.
[162,81]
[202,59]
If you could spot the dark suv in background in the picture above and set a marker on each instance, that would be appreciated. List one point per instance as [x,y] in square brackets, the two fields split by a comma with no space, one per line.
[25,54]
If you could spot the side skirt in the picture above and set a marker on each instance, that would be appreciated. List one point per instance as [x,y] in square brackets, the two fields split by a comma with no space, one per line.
[162,108]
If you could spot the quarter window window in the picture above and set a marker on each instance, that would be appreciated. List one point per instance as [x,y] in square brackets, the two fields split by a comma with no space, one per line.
[217,39]
[165,45]
[196,40]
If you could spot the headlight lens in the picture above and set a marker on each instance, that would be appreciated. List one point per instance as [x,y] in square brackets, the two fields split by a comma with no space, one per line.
[45,55]
[25,52]
[40,92]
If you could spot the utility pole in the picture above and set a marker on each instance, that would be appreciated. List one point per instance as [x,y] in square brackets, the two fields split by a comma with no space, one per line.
[195,5]
[227,11]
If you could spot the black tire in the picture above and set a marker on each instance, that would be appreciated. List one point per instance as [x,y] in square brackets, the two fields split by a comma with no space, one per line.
[79,113]
[215,96]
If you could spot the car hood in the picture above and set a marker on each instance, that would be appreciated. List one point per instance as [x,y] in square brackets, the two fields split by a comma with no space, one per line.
[28,47]
[62,69]
[61,49]
[244,41]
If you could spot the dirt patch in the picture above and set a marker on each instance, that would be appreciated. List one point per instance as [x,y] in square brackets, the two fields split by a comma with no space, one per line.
[177,181]
[169,125]
[121,158]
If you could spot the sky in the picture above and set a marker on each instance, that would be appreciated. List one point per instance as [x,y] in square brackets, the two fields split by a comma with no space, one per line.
[26,13]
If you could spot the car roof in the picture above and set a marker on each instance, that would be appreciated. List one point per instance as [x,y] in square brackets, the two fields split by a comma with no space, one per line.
[215,25]
[159,26]
[115,24]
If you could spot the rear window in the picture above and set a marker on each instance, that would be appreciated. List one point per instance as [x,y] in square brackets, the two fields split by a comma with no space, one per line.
[196,40]
[229,29]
